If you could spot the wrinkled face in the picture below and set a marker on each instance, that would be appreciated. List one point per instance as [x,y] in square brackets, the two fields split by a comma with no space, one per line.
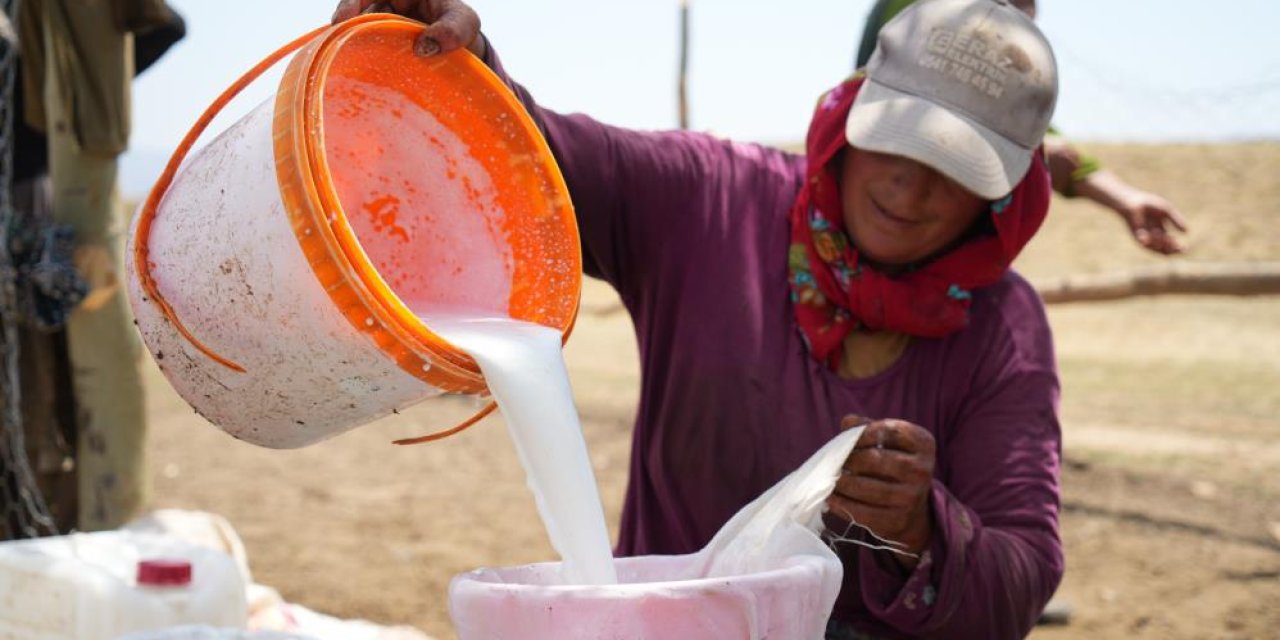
[899,211]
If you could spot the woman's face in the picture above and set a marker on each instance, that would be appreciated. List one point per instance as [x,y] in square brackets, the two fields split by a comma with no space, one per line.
[899,211]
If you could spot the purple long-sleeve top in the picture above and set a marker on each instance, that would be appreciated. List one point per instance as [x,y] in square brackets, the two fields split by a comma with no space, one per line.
[692,232]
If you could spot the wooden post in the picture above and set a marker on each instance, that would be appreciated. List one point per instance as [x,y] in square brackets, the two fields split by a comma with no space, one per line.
[683,87]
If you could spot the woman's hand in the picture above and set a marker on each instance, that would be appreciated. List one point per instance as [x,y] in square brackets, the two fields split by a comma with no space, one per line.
[451,24]
[1152,220]
[886,484]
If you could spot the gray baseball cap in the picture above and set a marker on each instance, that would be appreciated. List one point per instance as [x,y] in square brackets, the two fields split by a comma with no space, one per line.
[964,86]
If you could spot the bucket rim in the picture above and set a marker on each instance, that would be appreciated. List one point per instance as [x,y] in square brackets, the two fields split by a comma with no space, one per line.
[490,581]
[333,248]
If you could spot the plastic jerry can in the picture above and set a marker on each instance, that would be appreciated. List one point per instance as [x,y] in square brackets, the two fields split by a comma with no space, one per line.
[91,586]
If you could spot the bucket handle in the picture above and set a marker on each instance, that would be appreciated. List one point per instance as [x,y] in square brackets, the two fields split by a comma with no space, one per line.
[147,215]
[440,435]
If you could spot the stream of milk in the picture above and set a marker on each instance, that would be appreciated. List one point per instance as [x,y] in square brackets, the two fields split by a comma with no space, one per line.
[524,368]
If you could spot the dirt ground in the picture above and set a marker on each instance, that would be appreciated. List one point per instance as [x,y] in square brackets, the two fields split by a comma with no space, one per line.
[1171,419]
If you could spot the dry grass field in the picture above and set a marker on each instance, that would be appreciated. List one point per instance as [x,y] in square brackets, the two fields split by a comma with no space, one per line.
[1171,418]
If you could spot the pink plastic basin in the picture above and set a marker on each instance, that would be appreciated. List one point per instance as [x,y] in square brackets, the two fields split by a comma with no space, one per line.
[652,601]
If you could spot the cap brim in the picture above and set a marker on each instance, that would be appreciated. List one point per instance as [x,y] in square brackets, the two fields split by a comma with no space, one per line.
[981,160]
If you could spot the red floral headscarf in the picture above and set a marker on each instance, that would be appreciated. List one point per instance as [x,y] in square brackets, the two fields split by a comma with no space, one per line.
[834,292]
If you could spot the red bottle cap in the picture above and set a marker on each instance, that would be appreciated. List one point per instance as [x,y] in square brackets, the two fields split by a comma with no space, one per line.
[164,573]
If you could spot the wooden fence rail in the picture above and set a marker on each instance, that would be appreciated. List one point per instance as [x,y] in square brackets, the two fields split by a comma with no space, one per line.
[1172,278]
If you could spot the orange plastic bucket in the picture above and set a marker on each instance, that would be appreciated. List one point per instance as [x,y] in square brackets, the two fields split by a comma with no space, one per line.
[288,258]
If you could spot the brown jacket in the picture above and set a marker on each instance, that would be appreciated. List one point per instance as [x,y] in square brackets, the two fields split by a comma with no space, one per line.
[92,59]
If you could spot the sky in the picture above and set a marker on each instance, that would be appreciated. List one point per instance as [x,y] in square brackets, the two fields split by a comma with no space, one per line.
[1130,70]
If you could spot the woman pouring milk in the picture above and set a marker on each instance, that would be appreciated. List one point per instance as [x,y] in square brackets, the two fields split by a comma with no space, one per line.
[778,298]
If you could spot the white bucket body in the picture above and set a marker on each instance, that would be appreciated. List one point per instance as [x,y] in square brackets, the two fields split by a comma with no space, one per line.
[653,600]
[224,253]
[83,587]
[277,273]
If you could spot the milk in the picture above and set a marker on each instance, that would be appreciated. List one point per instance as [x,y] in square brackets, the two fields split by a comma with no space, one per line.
[406,231]
[525,371]
[399,173]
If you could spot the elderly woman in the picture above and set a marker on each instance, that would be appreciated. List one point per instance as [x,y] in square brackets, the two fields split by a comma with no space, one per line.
[778,298]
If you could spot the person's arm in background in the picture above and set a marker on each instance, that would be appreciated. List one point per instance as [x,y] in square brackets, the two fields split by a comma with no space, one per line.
[1149,217]
[882,12]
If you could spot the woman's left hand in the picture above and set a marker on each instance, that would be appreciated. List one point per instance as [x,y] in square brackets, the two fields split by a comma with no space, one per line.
[886,483]
[451,24]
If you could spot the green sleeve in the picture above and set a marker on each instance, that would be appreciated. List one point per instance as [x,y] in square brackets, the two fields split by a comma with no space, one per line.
[1089,165]
[881,13]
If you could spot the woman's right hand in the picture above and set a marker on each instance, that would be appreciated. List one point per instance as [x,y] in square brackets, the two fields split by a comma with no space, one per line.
[886,484]
[451,24]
